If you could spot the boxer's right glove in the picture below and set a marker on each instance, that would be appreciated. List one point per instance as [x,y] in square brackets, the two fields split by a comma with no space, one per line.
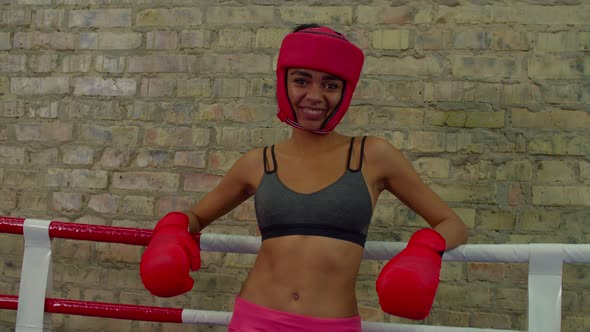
[171,254]
[407,284]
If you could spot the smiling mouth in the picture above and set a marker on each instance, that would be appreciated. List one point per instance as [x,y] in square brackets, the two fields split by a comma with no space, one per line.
[312,113]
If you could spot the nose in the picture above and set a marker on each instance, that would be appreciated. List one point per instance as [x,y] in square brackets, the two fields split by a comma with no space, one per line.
[314,93]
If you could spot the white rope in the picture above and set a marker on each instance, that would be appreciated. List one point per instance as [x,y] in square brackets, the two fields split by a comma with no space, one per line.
[221,318]
[507,253]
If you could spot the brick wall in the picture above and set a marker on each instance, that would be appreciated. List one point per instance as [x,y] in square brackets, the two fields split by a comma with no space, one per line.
[114,113]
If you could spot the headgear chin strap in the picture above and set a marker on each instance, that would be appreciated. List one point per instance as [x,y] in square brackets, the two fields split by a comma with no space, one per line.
[320,49]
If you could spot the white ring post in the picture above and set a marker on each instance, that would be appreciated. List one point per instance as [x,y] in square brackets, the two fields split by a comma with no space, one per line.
[545,271]
[35,278]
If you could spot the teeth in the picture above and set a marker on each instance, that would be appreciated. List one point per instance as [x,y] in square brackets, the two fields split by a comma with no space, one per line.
[311,110]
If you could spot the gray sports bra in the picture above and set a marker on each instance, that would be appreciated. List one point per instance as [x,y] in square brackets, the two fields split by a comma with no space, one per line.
[341,210]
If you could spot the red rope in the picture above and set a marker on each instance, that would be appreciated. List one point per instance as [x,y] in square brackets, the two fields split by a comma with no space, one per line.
[75,231]
[102,309]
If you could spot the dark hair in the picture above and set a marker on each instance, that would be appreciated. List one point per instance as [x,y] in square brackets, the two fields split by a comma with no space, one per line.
[305,26]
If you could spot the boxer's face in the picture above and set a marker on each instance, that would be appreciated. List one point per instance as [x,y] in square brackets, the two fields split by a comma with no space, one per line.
[314,95]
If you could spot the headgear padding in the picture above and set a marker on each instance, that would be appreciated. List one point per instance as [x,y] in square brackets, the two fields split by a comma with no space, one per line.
[324,50]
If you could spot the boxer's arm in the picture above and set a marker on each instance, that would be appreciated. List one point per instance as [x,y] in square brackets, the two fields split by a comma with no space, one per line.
[397,175]
[234,188]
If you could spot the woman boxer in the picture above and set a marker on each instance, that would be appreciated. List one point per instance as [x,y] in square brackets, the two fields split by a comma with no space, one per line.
[314,197]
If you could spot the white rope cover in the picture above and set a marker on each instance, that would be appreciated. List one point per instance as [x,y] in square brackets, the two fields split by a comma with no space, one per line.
[507,253]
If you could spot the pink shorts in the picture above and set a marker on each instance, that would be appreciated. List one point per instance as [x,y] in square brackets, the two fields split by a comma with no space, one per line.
[250,317]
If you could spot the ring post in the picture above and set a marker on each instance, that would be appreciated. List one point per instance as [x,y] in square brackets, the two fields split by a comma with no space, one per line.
[545,274]
[36,278]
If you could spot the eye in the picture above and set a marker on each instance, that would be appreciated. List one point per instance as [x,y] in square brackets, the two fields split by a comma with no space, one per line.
[332,85]
[299,81]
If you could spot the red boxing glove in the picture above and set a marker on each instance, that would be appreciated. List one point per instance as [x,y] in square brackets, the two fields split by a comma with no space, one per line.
[407,284]
[168,259]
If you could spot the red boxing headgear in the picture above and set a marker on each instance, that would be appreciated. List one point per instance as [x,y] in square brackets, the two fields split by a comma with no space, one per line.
[321,49]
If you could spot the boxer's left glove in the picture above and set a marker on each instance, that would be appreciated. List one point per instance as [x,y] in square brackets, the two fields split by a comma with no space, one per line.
[172,253]
[407,284]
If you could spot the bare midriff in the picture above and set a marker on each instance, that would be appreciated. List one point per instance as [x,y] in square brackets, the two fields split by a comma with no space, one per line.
[306,275]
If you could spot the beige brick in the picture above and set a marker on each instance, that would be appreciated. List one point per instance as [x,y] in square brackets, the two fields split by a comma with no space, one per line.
[232,136]
[537,221]
[159,182]
[104,203]
[556,41]
[90,86]
[491,320]
[472,40]
[39,85]
[495,220]
[469,119]
[454,142]
[474,193]
[200,182]
[425,141]
[110,40]
[164,64]
[584,171]
[406,66]
[223,160]
[449,318]
[235,38]
[556,172]
[195,159]
[161,40]
[157,87]
[67,202]
[49,18]
[54,131]
[432,167]
[554,145]
[230,87]
[578,146]
[518,170]
[511,298]
[268,136]
[110,64]
[561,195]
[433,39]
[269,37]
[506,40]
[179,136]
[555,67]
[198,87]
[480,295]
[89,179]
[321,15]
[240,15]
[391,39]
[394,15]
[396,117]
[31,201]
[12,155]
[169,17]
[486,67]
[15,17]
[195,39]
[106,18]
[552,119]
[236,63]
[12,63]
[404,92]
[137,205]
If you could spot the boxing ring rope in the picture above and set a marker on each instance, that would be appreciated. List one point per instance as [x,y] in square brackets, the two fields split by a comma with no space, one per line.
[544,286]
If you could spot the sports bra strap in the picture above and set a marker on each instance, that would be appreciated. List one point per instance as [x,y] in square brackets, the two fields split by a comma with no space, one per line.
[265,160]
[348,164]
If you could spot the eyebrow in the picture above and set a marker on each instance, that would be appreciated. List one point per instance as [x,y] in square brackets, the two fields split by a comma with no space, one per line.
[325,77]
